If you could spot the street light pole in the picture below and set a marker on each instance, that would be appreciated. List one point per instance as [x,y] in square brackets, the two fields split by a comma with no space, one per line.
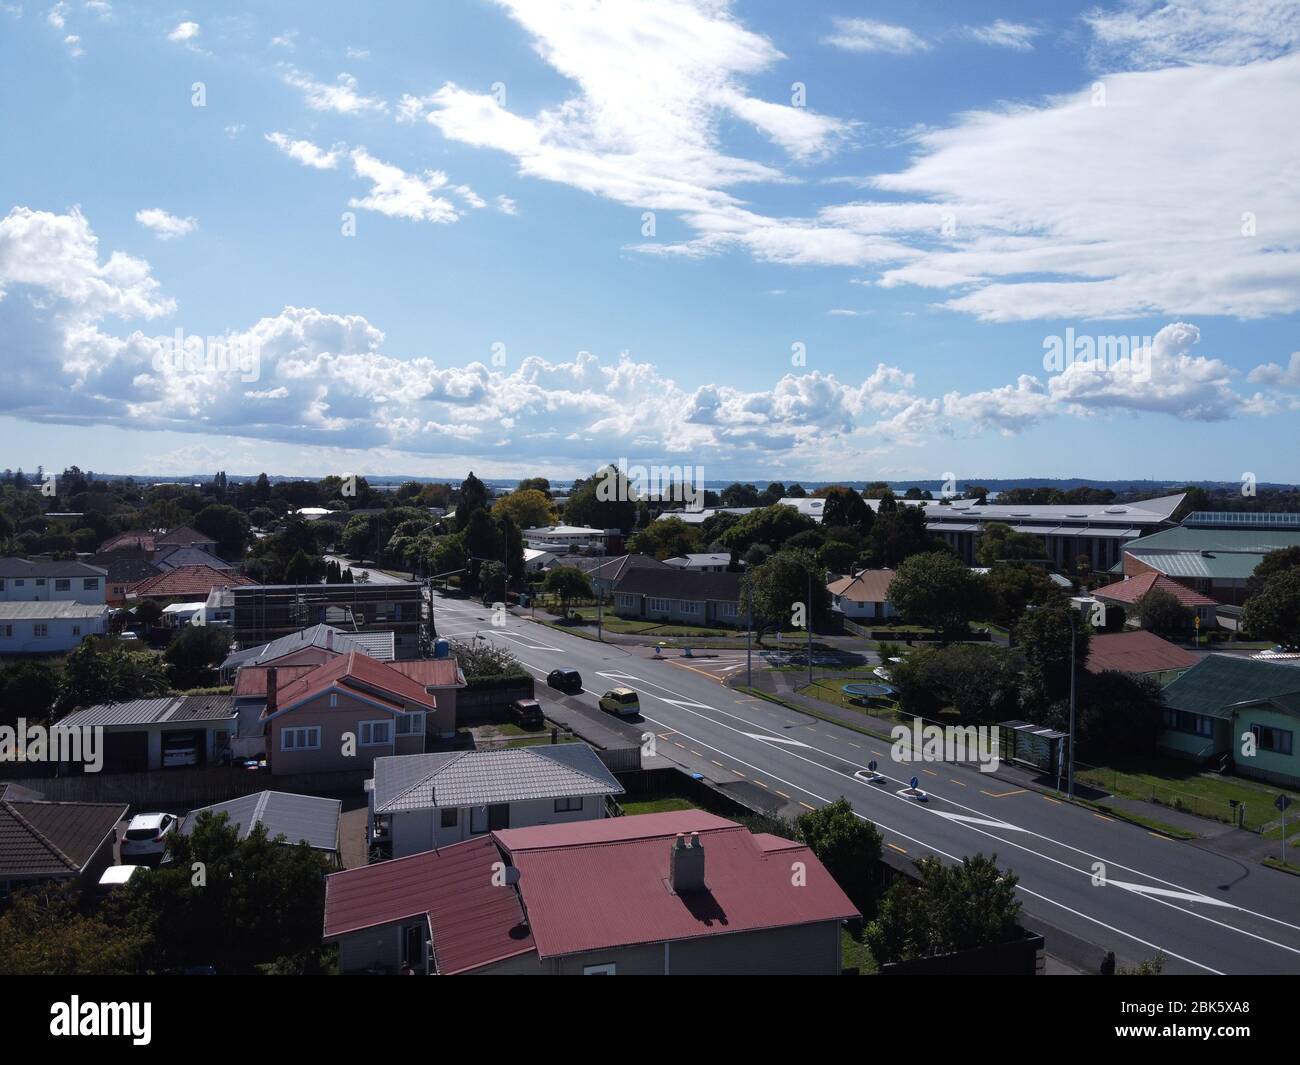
[808,621]
[1069,769]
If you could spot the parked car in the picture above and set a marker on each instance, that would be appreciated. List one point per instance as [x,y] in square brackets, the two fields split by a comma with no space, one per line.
[179,752]
[621,701]
[526,713]
[146,835]
[129,637]
[115,876]
[566,680]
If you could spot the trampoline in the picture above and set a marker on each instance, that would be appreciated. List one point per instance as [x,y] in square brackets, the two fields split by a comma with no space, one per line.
[868,691]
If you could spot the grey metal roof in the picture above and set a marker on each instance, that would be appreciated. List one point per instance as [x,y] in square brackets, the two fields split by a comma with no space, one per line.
[315,636]
[480,778]
[1221,565]
[165,709]
[22,567]
[58,608]
[296,817]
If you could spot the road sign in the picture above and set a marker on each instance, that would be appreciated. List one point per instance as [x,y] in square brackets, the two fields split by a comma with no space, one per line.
[1282,802]
[914,782]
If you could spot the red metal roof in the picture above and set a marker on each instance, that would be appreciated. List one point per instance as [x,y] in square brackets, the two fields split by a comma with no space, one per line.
[472,922]
[592,885]
[435,672]
[1133,589]
[1137,651]
[188,580]
[362,674]
[251,680]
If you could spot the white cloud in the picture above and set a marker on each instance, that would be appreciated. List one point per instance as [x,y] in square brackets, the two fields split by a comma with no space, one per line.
[57,16]
[287,40]
[506,205]
[166,226]
[1004,34]
[74,45]
[398,194]
[341,97]
[868,35]
[1270,373]
[306,153]
[1142,33]
[358,53]
[102,8]
[184,32]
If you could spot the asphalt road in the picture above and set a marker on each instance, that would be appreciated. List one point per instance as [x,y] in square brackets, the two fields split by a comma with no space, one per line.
[1105,881]
[375,576]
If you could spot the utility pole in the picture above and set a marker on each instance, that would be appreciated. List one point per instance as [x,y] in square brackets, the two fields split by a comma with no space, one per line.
[808,622]
[749,637]
[1069,769]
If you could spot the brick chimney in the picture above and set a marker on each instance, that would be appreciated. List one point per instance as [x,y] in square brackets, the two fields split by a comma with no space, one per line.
[686,867]
[272,690]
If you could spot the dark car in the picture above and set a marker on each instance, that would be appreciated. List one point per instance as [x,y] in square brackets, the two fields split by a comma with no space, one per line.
[526,713]
[566,680]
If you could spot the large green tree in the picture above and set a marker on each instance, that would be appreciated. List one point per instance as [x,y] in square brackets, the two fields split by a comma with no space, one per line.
[1273,613]
[937,590]
[849,847]
[778,587]
[102,671]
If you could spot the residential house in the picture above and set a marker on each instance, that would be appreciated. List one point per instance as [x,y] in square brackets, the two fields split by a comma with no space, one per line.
[703,562]
[681,596]
[135,540]
[681,893]
[1141,652]
[124,569]
[55,841]
[265,612]
[536,560]
[343,715]
[49,628]
[188,582]
[1213,553]
[184,536]
[26,581]
[1129,592]
[163,732]
[306,819]
[170,556]
[604,573]
[863,595]
[1212,708]
[423,801]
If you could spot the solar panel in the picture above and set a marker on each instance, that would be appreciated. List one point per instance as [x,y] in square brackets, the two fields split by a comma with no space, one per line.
[1243,519]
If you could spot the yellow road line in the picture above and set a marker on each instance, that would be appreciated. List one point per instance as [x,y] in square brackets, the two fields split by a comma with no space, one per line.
[760,783]
[959,783]
[899,849]
[718,764]
[1004,794]
[738,772]
[802,803]
[1101,818]
[782,794]
[1049,799]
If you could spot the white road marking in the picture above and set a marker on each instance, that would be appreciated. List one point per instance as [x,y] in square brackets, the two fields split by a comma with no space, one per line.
[980,821]
[1189,896]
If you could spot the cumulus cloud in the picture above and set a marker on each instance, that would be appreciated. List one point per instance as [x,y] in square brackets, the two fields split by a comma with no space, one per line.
[398,194]
[342,97]
[305,152]
[184,32]
[166,226]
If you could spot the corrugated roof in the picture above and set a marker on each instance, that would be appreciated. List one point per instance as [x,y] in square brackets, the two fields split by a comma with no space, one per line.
[1134,588]
[673,583]
[480,778]
[432,672]
[1209,565]
[325,636]
[1136,651]
[169,709]
[362,674]
[46,610]
[22,567]
[474,919]
[584,894]
[1219,682]
[1194,538]
[53,838]
[296,817]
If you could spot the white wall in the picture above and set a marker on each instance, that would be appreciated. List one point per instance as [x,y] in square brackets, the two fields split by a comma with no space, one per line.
[63,634]
[45,590]
[414,831]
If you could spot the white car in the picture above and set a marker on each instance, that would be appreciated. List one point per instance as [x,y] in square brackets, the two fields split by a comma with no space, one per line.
[146,835]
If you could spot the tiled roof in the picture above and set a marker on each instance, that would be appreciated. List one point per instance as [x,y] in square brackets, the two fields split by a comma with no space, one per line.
[480,778]
[183,535]
[296,817]
[1219,682]
[866,586]
[168,709]
[132,540]
[188,580]
[53,838]
[674,583]
[474,919]
[1136,651]
[360,673]
[596,885]
[1133,589]
[172,557]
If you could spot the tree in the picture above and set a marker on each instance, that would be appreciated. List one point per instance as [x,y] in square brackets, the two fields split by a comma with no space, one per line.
[479,660]
[898,533]
[227,526]
[837,556]
[776,591]
[768,525]
[844,506]
[998,542]
[567,583]
[739,494]
[848,846]
[101,672]
[28,690]
[535,484]
[1271,565]
[527,507]
[473,496]
[953,908]
[980,682]
[1015,588]
[192,658]
[1043,636]
[1273,613]
[666,538]
[937,590]
[603,501]
[1163,614]
[360,537]
[45,931]
[1117,715]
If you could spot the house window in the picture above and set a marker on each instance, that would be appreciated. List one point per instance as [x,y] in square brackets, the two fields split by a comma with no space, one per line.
[1272,739]
[40,629]
[2,584]
[90,584]
[7,631]
[76,630]
[63,584]
[570,805]
[334,698]
[410,724]
[660,606]
[626,600]
[690,606]
[40,582]
[1182,721]
[20,583]
[727,610]
[450,817]
[598,970]
[300,739]
[376,733]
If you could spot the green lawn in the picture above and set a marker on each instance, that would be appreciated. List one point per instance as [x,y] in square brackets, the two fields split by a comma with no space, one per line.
[1182,785]
[658,805]
[855,953]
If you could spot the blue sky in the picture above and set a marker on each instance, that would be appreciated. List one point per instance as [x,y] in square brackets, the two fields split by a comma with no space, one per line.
[867,222]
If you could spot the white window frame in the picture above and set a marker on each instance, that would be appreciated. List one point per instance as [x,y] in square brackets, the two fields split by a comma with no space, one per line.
[63,584]
[690,606]
[728,610]
[659,606]
[600,970]
[90,584]
[40,630]
[367,728]
[566,805]
[414,723]
[312,735]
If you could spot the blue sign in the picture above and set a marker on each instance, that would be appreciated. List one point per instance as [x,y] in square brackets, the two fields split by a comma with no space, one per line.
[914,783]
[872,765]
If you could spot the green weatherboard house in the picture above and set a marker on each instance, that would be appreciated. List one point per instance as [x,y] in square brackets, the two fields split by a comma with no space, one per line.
[1211,707]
